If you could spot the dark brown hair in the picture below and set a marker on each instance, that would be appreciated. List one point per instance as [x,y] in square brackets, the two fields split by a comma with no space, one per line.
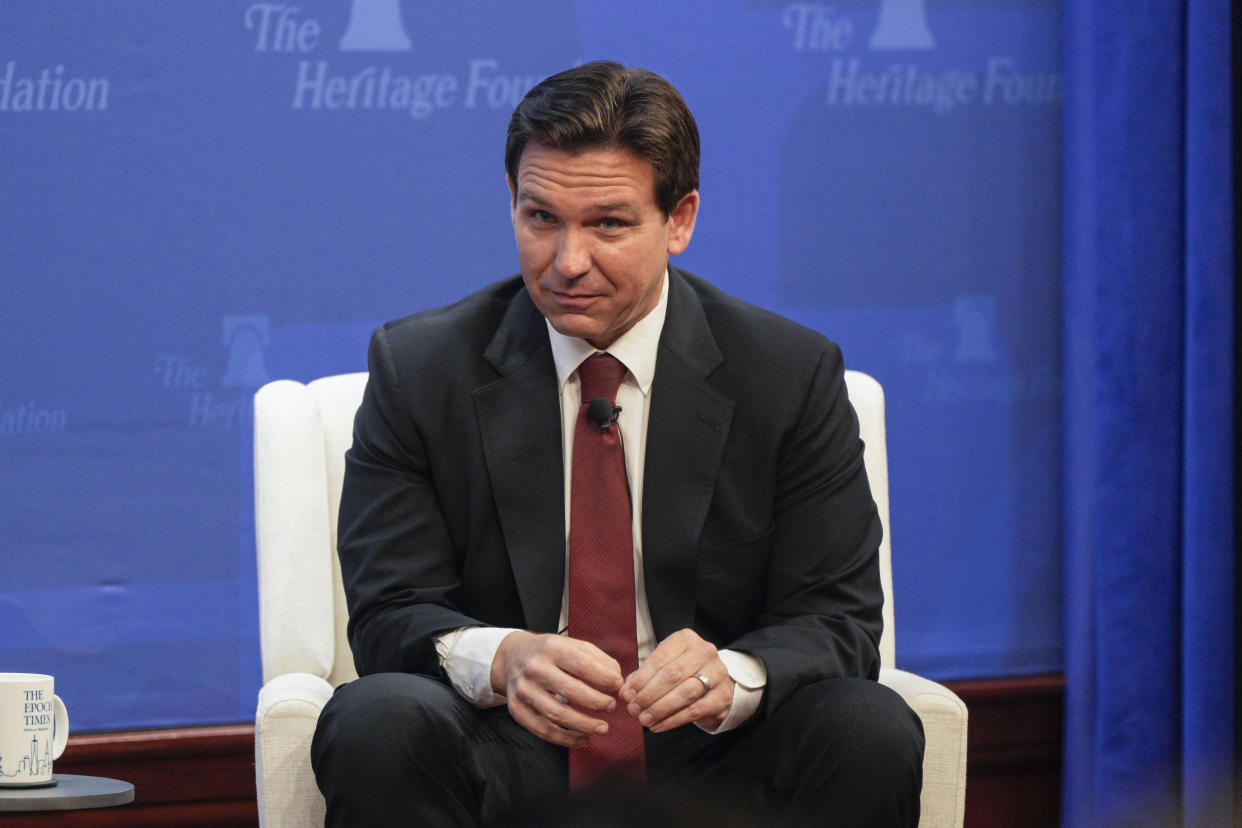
[605,104]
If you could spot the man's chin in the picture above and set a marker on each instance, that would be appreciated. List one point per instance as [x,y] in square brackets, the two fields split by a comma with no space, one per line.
[577,326]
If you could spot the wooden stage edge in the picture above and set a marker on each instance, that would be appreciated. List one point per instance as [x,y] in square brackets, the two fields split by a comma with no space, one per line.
[205,775]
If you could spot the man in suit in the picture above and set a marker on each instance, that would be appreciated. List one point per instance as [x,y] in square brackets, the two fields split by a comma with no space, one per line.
[480,491]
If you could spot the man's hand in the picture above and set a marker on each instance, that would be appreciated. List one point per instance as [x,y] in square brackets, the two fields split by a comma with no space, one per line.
[665,692]
[550,680]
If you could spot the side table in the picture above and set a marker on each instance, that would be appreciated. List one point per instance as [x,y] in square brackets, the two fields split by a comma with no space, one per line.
[70,792]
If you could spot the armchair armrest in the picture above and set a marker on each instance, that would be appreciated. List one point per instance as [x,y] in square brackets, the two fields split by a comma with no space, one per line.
[289,707]
[944,762]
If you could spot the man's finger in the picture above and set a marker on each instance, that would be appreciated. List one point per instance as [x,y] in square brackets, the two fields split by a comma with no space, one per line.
[664,653]
[575,669]
[587,663]
[551,683]
[689,703]
[563,690]
[676,659]
[530,718]
[563,714]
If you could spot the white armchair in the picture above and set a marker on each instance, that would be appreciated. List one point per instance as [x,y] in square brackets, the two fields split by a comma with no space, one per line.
[301,433]
[943,801]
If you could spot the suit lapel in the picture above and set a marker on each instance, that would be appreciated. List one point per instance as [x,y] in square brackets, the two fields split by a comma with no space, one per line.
[519,425]
[686,434]
[519,421]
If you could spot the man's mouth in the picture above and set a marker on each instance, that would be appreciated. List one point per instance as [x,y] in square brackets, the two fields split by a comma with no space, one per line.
[574,300]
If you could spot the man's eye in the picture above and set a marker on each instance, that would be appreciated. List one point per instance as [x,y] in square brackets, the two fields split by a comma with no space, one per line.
[541,216]
[610,223]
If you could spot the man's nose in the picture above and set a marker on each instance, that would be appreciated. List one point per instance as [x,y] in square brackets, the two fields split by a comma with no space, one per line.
[573,256]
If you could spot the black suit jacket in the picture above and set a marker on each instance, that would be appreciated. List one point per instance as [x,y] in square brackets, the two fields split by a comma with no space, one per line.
[759,530]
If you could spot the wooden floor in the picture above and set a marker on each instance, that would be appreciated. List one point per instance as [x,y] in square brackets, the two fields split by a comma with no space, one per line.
[205,775]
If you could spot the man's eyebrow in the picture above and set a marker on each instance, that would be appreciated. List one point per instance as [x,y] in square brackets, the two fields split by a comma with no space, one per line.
[526,195]
[628,207]
[617,207]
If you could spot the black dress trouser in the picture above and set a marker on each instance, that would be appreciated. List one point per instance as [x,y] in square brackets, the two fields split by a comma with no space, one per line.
[399,749]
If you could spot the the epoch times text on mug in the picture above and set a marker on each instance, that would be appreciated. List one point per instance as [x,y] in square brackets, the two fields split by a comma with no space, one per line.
[34,727]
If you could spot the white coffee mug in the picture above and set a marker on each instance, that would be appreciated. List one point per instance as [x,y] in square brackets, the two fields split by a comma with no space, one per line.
[34,727]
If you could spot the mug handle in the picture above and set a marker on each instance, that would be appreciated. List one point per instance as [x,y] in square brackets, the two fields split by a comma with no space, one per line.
[60,728]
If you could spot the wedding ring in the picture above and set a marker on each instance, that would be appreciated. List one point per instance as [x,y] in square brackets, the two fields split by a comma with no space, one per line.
[707,685]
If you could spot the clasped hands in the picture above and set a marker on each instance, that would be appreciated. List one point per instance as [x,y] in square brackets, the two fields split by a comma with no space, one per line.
[556,685]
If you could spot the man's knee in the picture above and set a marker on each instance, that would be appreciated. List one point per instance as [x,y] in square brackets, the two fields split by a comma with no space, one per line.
[850,747]
[377,719]
[863,720]
[392,744]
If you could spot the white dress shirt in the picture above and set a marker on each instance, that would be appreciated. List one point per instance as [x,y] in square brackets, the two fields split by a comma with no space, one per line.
[466,654]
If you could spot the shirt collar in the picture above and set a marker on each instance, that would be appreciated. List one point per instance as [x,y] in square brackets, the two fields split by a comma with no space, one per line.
[636,348]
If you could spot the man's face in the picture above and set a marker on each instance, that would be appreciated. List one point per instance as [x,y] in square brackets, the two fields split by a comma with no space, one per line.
[592,243]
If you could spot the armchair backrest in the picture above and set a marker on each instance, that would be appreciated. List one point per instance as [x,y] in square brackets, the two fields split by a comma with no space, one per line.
[301,433]
[867,396]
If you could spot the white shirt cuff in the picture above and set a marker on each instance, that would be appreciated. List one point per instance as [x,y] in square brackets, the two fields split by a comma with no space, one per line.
[466,655]
[749,676]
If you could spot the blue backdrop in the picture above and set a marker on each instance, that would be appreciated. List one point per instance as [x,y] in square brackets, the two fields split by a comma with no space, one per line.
[198,197]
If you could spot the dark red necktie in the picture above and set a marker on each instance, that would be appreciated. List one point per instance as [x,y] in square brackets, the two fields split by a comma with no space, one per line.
[601,572]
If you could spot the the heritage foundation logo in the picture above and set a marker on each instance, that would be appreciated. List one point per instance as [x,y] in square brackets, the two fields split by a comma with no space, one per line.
[49,89]
[967,366]
[244,338]
[375,26]
[902,25]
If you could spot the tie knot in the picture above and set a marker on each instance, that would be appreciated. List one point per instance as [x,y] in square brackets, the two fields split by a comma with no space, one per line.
[601,377]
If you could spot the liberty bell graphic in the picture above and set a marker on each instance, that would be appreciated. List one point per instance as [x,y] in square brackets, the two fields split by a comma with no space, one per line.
[375,26]
[902,25]
[976,327]
[245,337]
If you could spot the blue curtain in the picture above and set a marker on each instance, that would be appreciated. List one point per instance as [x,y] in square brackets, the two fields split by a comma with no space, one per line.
[1149,460]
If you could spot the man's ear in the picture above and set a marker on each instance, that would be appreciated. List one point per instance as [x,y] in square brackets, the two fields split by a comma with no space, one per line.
[681,222]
